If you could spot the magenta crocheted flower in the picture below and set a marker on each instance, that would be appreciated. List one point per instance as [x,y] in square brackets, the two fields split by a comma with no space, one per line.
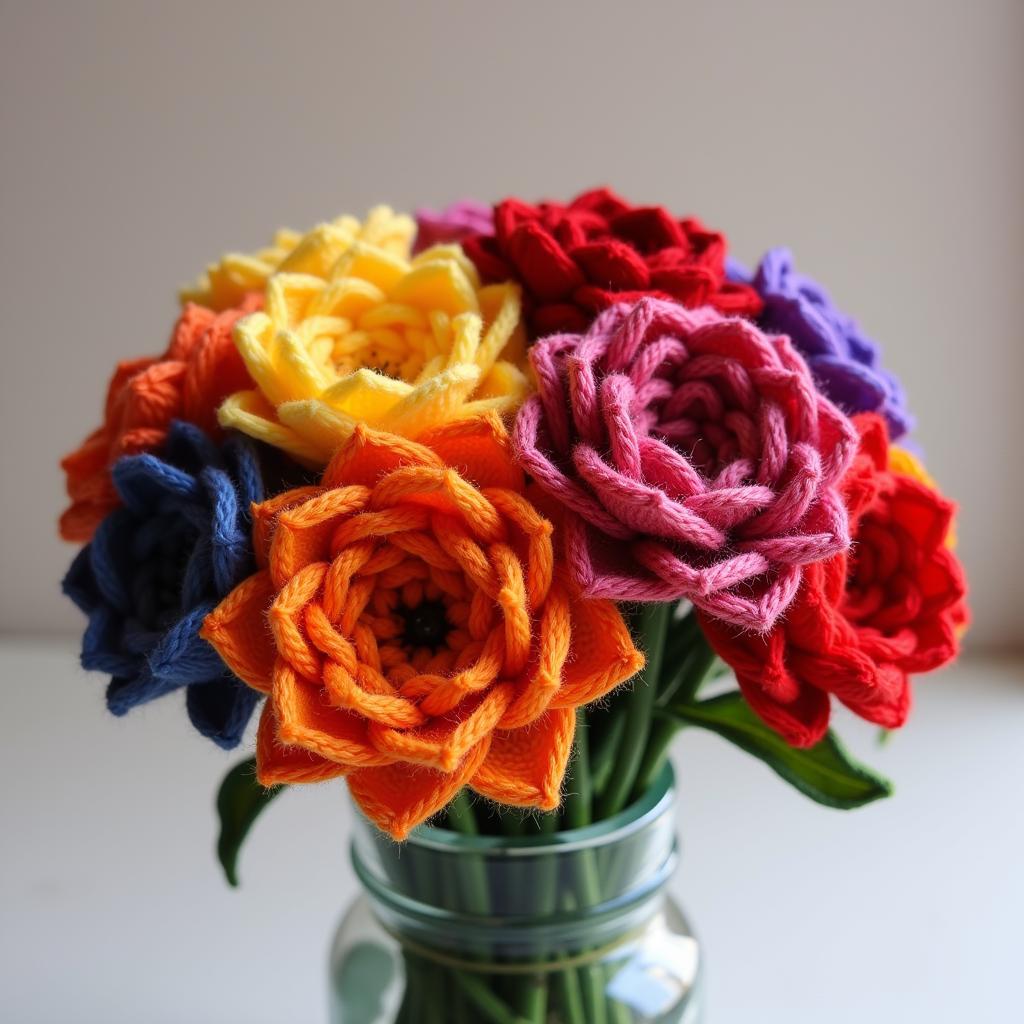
[462,219]
[693,455]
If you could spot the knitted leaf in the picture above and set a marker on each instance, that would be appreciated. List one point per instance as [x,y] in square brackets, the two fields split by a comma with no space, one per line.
[240,801]
[825,772]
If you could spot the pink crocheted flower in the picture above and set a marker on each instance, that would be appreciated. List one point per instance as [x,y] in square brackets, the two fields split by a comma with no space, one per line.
[694,457]
[460,220]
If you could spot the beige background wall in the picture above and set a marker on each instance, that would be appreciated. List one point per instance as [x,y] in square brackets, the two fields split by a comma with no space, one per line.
[881,140]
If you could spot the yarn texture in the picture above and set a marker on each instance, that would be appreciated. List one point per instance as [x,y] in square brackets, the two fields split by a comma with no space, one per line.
[845,363]
[454,223]
[362,334]
[197,371]
[693,455]
[866,620]
[422,637]
[158,564]
[227,282]
[575,260]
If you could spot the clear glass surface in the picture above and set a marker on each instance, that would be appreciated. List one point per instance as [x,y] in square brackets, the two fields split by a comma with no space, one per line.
[567,928]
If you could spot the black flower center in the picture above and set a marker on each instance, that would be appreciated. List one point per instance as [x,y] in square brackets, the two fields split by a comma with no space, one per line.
[426,625]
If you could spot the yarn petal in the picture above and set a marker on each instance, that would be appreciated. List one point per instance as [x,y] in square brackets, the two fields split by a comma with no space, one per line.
[525,767]
[398,797]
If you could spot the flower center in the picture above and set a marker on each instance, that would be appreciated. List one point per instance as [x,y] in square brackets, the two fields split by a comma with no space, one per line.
[426,624]
[704,418]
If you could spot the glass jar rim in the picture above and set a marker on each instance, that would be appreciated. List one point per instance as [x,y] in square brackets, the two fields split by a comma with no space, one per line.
[654,802]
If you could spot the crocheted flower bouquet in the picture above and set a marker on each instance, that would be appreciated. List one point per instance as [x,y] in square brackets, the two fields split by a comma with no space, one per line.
[447,499]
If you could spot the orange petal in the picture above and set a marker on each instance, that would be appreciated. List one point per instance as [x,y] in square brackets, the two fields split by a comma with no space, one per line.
[444,743]
[603,653]
[479,448]
[535,541]
[237,630]
[303,533]
[304,719]
[546,672]
[525,767]
[371,454]
[264,518]
[399,797]
[278,763]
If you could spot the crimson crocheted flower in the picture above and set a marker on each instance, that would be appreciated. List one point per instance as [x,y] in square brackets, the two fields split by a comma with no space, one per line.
[866,620]
[574,261]
[694,457]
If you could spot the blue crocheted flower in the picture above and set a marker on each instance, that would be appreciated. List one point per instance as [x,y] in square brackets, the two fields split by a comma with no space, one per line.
[157,565]
[844,362]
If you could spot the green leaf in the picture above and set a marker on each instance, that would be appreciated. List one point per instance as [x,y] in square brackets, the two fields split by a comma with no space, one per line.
[825,772]
[240,801]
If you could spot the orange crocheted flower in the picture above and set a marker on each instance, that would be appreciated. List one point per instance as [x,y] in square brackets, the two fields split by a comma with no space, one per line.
[421,636]
[199,369]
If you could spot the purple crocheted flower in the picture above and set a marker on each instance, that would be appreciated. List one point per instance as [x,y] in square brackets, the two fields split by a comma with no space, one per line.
[844,362]
[453,224]
[694,456]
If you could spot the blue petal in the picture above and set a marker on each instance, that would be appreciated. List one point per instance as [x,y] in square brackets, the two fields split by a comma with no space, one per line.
[181,655]
[221,709]
[244,464]
[79,584]
[189,447]
[111,560]
[145,483]
[103,648]
[123,694]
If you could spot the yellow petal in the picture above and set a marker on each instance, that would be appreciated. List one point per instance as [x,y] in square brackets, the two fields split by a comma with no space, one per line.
[434,401]
[244,411]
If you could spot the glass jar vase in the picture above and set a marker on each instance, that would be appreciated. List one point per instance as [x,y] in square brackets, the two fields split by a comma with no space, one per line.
[570,927]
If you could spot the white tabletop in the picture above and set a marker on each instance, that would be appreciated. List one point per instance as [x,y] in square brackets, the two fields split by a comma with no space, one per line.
[113,907]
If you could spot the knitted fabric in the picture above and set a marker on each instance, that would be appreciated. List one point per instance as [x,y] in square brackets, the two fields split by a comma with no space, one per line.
[865,621]
[158,564]
[454,223]
[395,535]
[367,336]
[199,368]
[845,363]
[693,455]
[574,261]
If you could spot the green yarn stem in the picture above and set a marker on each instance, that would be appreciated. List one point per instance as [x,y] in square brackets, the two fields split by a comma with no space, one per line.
[578,791]
[652,626]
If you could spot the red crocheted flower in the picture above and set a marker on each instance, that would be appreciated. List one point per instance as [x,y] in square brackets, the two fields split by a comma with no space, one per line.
[200,368]
[573,261]
[693,456]
[865,621]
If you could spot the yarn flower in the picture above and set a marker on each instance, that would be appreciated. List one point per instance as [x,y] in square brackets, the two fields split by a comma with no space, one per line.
[367,336]
[454,223]
[201,365]
[158,564]
[846,365]
[235,275]
[227,282]
[866,620]
[574,261]
[197,371]
[421,636]
[694,457]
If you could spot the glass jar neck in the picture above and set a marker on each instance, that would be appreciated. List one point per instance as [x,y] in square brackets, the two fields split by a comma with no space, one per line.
[512,898]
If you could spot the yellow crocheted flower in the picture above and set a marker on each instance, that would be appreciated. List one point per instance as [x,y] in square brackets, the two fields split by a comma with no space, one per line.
[355,332]
[226,283]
